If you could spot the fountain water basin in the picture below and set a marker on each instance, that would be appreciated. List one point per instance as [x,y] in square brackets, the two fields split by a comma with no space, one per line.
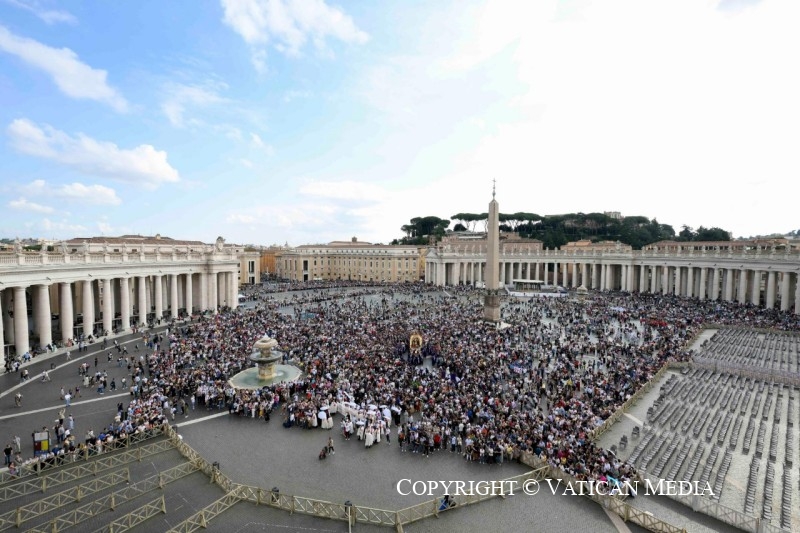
[268,370]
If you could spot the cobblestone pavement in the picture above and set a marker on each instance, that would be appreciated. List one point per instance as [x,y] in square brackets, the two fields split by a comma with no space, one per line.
[267,455]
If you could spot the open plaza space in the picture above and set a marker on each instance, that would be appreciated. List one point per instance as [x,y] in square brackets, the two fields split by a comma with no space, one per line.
[542,334]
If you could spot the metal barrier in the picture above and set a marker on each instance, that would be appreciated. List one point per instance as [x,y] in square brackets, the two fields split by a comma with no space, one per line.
[616,504]
[134,518]
[111,501]
[74,473]
[200,519]
[36,468]
[620,412]
[16,517]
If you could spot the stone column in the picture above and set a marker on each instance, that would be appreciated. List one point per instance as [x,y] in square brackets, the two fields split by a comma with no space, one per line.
[222,299]
[66,316]
[43,316]
[203,287]
[741,294]
[233,287]
[538,270]
[158,297]
[8,322]
[2,331]
[715,284]
[728,284]
[575,275]
[702,294]
[125,304]
[642,278]
[631,283]
[690,281]
[785,278]
[141,288]
[797,295]
[212,292]
[187,294]
[88,308]
[108,306]
[21,338]
[173,295]
[585,275]
[755,290]
[770,296]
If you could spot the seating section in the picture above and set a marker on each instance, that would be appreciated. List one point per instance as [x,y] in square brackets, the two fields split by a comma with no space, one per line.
[713,422]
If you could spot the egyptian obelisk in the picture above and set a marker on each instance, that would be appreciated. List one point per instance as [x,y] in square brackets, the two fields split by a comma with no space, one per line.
[491,303]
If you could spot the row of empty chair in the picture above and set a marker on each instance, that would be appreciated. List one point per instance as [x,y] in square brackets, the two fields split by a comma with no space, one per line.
[698,422]
[751,348]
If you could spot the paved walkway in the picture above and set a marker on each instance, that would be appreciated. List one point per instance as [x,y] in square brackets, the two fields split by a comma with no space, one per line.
[268,455]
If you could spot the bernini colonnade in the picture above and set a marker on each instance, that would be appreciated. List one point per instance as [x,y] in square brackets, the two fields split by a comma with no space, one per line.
[52,297]
[763,277]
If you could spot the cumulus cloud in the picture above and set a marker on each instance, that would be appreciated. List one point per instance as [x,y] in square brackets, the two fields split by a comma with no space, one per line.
[73,77]
[258,142]
[61,226]
[77,192]
[180,97]
[142,165]
[22,204]
[48,16]
[288,25]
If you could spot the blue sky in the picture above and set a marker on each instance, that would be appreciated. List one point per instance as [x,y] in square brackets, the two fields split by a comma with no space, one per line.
[304,121]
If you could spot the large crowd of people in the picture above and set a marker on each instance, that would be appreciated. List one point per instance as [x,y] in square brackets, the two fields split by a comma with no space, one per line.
[541,384]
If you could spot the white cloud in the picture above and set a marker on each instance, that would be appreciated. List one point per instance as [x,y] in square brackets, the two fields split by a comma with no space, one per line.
[347,190]
[142,165]
[306,217]
[296,95]
[61,226]
[288,25]
[48,16]
[665,104]
[180,97]
[246,163]
[77,192]
[256,141]
[73,77]
[22,204]
[105,228]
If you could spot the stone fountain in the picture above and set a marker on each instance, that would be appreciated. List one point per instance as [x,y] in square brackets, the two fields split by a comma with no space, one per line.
[267,371]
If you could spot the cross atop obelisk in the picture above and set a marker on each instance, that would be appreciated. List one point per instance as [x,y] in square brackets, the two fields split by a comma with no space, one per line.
[491,303]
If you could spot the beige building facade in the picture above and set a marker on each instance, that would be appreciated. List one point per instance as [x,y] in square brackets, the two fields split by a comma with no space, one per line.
[352,260]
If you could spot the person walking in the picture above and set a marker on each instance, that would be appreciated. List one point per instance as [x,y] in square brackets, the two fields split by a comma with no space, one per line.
[67,399]
[18,443]
[18,399]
